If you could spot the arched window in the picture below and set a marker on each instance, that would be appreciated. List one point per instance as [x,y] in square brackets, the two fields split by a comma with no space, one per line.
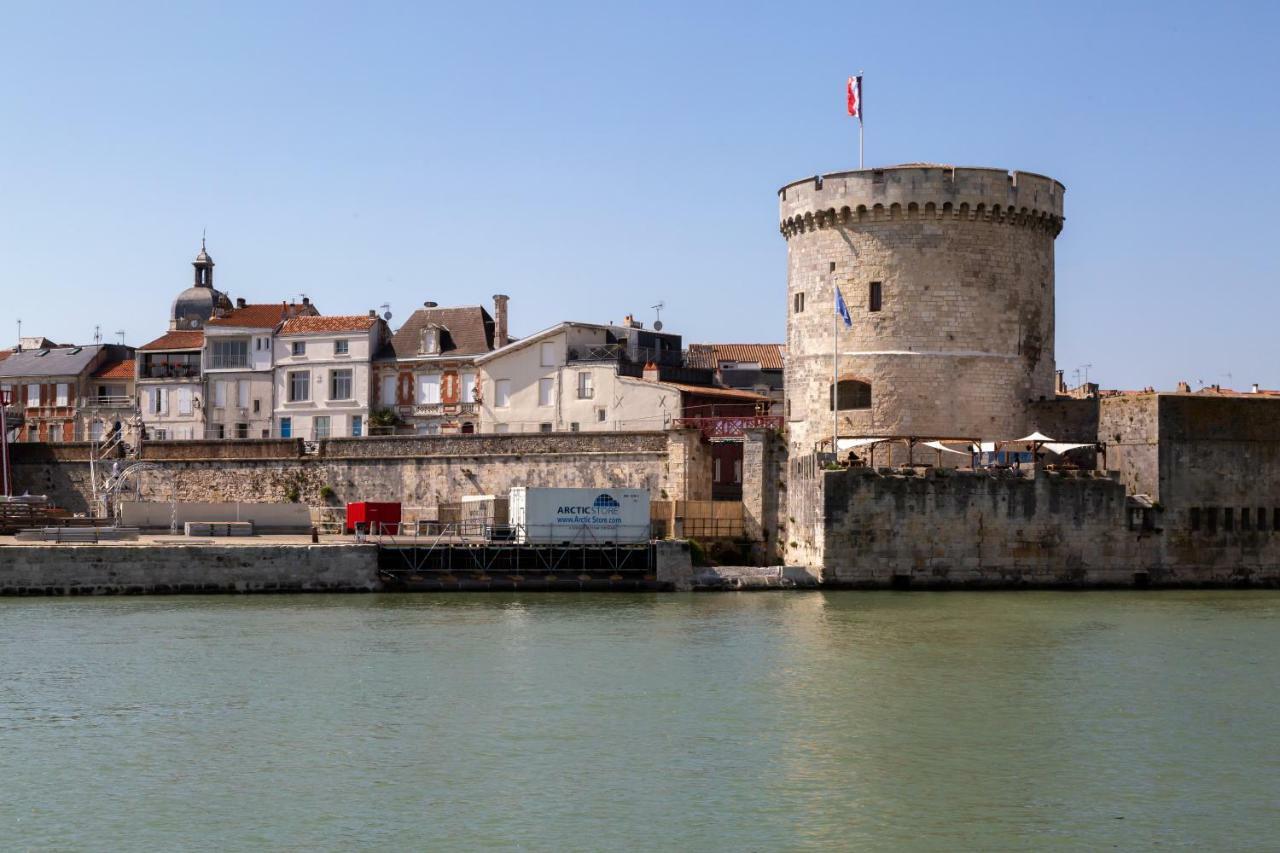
[851,394]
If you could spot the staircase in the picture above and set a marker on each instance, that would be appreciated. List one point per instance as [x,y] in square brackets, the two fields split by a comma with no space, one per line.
[110,460]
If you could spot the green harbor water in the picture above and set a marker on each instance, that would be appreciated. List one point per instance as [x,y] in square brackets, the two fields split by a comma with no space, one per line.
[766,721]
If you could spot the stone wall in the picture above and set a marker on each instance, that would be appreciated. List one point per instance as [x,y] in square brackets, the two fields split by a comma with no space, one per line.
[764,471]
[419,471]
[114,569]
[948,529]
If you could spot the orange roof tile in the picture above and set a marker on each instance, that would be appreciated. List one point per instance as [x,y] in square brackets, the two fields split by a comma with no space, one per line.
[176,340]
[350,323]
[260,316]
[117,370]
[768,356]
[725,393]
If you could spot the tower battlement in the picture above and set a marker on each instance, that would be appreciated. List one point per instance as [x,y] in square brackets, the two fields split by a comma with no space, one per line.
[921,192]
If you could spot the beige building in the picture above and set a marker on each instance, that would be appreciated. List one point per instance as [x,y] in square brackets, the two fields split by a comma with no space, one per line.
[575,377]
[428,376]
[239,368]
[170,386]
[324,375]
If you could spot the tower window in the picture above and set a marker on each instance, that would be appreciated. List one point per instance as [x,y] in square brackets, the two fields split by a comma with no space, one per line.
[851,394]
[799,303]
[875,296]
[832,268]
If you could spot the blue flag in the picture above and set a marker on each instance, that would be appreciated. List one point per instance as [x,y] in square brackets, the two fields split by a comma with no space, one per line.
[843,310]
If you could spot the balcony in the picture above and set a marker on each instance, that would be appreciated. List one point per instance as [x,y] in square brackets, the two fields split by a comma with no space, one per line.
[429,410]
[107,402]
[228,362]
[621,353]
[169,371]
[728,426]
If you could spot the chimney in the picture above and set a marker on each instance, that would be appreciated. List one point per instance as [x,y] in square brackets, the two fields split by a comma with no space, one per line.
[500,338]
[373,312]
[240,303]
[306,300]
[650,372]
[1184,388]
[1254,389]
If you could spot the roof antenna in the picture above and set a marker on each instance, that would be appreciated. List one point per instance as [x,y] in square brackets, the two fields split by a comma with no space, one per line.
[386,311]
[97,334]
[120,332]
[657,324]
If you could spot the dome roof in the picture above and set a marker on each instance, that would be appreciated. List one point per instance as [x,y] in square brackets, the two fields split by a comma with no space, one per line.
[195,305]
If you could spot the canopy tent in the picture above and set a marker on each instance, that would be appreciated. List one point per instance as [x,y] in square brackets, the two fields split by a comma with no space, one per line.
[1032,439]
[850,443]
[938,445]
[1061,447]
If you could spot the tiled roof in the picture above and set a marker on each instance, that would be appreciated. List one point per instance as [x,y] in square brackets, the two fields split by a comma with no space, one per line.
[348,323]
[116,370]
[709,356]
[261,316]
[5,354]
[723,393]
[467,331]
[176,340]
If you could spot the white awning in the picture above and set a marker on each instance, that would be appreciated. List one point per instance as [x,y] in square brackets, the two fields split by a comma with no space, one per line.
[938,445]
[850,443]
[1062,446]
[984,447]
[1035,436]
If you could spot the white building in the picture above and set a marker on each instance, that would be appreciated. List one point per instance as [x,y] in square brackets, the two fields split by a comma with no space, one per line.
[578,377]
[323,375]
[239,368]
[170,386]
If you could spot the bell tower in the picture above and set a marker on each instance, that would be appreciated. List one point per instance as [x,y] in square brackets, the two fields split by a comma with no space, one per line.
[203,265]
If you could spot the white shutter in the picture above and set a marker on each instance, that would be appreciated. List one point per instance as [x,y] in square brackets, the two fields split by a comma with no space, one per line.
[545,389]
[62,394]
[388,390]
[33,396]
[429,388]
[219,394]
[242,394]
[162,400]
[502,393]
[468,387]
[184,401]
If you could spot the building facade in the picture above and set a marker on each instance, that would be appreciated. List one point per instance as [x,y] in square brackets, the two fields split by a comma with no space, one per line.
[324,375]
[53,388]
[170,386]
[427,378]
[239,368]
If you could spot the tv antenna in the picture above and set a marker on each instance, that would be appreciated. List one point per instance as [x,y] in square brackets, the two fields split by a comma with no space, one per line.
[120,332]
[97,334]
[657,323]
[386,311]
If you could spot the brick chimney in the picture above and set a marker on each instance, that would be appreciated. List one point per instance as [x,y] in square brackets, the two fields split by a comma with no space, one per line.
[1184,388]
[240,303]
[650,372]
[500,338]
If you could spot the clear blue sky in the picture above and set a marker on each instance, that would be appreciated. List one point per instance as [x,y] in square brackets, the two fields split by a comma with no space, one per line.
[592,159]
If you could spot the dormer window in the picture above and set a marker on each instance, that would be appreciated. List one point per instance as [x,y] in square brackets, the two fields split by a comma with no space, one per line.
[431,341]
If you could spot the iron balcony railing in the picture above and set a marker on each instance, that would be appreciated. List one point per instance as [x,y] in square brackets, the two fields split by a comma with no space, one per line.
[429,409]
[108,402]
[226,362]
[729,426]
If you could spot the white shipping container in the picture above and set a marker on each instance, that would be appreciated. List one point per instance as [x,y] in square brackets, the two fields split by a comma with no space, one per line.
[580,516]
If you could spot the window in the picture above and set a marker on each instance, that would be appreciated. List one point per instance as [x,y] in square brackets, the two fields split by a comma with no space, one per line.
[219,394]
[388,390]
[228,354]
[544,427]
[1211,519]
[1195,518]
[585,389]
[1228,518]
[852,394]
[33,396]
[286,427]
[798,301]
[1245,521]
[601,415]
[737,470]
[257,406]
[298,348]
[546,387]
[242,393]
[1261,519]
[160,434]
[502,393]
[573,427]
[715,469]
[340,347]
[431,341]
[875,296]
[340,384]
[548,351]
[62,392]
[468,387]
[832,267]
[1275,518]
[157,404]
[242,430]
[321,425]
[357,425]
[299,386]
[501,429]
[217,431]
[184,401]
[429,388]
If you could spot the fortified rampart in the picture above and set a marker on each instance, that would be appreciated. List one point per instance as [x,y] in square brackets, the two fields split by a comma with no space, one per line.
[951,529]
[948,274]
[419,471]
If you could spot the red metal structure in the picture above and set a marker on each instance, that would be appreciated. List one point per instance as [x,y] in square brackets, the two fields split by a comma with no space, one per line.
[372,517]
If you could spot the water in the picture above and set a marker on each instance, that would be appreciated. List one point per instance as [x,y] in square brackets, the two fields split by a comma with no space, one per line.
[586,722]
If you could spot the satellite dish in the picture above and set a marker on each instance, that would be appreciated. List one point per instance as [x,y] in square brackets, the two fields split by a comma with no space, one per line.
[386,315]
[195,324]
[657,325]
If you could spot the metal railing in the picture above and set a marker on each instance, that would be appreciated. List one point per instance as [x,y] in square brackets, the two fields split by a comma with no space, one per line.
[429,409]
[729,426]
[108,402]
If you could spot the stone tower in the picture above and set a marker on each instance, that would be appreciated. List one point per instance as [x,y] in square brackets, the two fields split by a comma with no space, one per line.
[199,302]
[948,277]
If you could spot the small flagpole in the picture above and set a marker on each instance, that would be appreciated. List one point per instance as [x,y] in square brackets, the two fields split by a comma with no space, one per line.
[860,166]
[835,375]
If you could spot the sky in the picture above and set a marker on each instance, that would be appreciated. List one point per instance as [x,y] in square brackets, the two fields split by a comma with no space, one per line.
[594,159]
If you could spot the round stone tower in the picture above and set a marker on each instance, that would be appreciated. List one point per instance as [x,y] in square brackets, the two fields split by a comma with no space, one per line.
[947,274]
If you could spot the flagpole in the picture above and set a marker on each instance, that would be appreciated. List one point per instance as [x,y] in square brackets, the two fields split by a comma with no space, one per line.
[860,166]
[835,376]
